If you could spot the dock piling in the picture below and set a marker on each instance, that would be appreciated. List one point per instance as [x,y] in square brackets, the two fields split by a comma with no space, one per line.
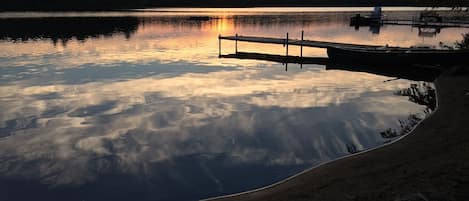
[301,44]
[236,43]
[301,49]
[219,45]
[286,45]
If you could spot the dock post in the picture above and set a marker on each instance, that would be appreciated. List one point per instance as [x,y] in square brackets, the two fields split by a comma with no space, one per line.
[286,46]
[301,45]
[301,49]
[219,45]
[286,53]
[236,43]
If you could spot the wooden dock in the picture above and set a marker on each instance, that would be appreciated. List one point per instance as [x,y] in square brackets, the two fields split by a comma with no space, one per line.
[286,42]
[296,42]
[415,23]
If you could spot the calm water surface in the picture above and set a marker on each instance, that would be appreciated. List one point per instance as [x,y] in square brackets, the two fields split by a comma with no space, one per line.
[138,106]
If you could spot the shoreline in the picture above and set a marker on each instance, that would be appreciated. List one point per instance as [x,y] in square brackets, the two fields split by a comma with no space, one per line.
[414,167]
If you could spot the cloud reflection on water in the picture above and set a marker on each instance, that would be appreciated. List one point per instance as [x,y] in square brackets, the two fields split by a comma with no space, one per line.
[247,116]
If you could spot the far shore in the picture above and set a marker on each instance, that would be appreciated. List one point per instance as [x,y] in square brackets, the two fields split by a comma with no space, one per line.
[76,7]
[430,163]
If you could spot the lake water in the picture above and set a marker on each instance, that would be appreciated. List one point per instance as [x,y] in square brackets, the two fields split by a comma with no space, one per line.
[137,105]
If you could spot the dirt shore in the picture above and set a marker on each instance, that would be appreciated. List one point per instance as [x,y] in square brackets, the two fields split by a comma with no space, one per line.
[431,163]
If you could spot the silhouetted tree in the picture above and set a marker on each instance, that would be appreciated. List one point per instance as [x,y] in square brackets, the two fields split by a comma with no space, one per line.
[406,125]
[422,94]
[464,43]
[351,148]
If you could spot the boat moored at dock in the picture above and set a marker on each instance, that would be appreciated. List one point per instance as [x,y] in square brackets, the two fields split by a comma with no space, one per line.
[395,55]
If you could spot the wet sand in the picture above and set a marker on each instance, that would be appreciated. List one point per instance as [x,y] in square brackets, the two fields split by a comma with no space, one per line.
[431,163]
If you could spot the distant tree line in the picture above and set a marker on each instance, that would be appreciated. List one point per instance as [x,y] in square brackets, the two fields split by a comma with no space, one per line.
[127,4]
[447,3]
[63,29]
[70,4]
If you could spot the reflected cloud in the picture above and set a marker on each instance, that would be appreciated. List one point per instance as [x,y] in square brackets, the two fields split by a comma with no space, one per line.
[158,119]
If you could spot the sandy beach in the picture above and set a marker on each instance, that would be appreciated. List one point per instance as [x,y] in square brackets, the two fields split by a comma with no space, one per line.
[431,163]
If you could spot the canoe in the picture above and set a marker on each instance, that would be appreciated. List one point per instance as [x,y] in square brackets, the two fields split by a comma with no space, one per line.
[394,55]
